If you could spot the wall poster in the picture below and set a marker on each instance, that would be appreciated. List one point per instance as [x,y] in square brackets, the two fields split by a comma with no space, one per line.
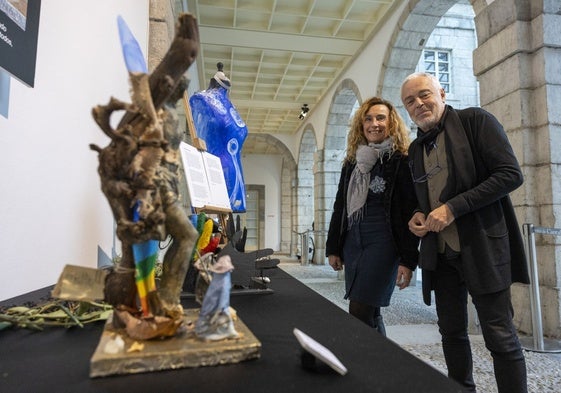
[19,28]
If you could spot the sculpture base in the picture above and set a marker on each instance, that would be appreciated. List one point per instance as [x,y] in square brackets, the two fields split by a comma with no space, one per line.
[181,351]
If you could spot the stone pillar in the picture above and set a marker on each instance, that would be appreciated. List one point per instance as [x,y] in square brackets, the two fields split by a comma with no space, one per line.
[286,211]
[305,187]
[327,170]
[518,64]
[162,31]
[321,223]
[294,215]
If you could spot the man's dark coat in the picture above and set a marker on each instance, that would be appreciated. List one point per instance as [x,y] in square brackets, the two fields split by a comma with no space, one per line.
[482,172]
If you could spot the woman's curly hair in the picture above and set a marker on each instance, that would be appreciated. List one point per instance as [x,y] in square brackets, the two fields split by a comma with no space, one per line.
[396,129]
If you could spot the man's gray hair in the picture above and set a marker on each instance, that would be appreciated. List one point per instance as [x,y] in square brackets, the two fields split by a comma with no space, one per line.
[414,75]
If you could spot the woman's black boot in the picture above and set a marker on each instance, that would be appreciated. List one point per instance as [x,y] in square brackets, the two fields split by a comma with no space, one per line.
[379,325]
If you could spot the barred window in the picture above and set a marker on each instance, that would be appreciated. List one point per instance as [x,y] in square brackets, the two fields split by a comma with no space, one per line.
[437,63]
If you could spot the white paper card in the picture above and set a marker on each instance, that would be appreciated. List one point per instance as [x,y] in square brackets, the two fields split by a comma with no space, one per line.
[319,351]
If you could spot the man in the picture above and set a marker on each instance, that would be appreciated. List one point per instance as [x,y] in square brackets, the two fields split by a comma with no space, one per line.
[464,168]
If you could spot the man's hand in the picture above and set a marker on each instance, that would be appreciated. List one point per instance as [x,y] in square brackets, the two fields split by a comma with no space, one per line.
[439,218]
[335,262]
[417,225]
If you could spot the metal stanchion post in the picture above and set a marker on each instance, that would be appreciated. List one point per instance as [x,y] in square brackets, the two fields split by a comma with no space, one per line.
[535,303]
[538,343]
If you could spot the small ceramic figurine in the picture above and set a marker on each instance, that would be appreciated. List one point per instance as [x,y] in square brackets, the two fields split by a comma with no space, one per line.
[215,320]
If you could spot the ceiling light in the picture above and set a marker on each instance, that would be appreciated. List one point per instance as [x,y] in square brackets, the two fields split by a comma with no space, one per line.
[304,112]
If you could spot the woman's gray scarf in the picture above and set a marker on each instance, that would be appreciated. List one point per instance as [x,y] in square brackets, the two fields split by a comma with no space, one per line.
[366,157]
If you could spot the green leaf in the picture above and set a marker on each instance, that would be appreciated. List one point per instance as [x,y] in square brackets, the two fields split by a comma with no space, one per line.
[18,310]
[5,325]
[58,314]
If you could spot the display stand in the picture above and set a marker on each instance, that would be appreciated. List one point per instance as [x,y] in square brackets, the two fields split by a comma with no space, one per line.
[214,199]
[208,194]
[205,181]
[195,140]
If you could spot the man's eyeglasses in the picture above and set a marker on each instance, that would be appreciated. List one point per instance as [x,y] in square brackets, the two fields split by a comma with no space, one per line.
[434,170]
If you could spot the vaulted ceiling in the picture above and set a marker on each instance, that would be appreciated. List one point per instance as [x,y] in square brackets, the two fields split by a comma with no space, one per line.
[281,54]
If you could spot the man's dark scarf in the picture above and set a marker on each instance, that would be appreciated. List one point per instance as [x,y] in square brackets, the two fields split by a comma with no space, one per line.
[461,168]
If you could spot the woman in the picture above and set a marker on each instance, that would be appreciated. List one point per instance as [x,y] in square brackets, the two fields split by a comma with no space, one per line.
[368,233]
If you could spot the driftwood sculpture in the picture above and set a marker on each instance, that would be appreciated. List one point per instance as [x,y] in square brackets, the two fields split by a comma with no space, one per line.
[139,172]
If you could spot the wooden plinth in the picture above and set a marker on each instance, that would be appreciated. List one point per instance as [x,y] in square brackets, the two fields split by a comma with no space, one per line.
[181,351]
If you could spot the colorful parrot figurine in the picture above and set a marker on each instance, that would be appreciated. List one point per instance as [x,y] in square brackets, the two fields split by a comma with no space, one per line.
[212,244]
[206,234]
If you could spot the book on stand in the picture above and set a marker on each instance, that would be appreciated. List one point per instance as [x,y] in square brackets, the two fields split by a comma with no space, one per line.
[205,180]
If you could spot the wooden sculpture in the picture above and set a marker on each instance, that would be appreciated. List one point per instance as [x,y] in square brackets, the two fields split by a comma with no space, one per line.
[139,172]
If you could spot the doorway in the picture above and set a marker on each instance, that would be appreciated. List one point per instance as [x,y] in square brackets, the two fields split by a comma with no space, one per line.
[253,220]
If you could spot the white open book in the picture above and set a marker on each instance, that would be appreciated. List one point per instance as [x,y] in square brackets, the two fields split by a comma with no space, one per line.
[205,179]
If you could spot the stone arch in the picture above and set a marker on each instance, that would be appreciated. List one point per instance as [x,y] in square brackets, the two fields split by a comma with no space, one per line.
[329,159]
[305,195]
[412,31]
[344,99]
[268,144]
[412,34]
[452,28]
[515,43]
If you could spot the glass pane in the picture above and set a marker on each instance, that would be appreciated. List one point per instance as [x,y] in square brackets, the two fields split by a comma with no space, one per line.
[429,67]
[443,78]
[251,243]
[443,56]
[442,67]
[429,55]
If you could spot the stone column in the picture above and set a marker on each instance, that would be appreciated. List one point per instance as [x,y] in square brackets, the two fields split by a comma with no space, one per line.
[518,64]
[162,31]
[294,215]
[286,210]
[327,170]
[305,187]
[321,221]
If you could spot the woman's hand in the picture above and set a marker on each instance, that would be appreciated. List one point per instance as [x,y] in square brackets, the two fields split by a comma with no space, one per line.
[404,275]
[335,262]
[417,224]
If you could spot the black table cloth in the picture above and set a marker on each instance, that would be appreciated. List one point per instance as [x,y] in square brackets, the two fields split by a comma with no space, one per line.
[57,359]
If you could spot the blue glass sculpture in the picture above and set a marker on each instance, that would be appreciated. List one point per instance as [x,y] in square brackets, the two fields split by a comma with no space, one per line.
[219,124]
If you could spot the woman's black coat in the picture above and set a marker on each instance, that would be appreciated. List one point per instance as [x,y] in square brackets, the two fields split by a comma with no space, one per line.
[399,205]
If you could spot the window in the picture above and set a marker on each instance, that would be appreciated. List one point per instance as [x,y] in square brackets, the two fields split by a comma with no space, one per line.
[437,63]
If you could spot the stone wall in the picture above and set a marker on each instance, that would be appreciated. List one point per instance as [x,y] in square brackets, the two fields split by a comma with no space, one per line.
[518,67]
